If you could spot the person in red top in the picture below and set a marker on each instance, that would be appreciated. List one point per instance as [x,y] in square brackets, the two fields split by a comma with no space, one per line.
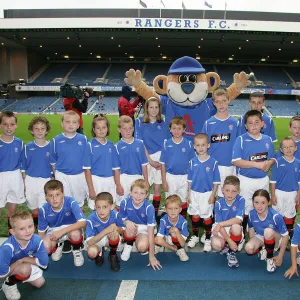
[78,106]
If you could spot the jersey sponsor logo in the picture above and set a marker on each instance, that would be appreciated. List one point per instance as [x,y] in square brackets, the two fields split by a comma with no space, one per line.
[63,141]
[259,156]
[207,169]
[80,143]
[183,150]
[220,138]
[230,127]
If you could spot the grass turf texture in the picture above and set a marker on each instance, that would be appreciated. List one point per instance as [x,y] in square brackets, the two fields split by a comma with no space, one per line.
[22,132]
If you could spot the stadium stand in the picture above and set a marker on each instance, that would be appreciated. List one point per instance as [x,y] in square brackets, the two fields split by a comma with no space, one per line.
[33,104]
[6,103]
[107,105]
[226,72]
[295,74]
[152,70]
[283,107]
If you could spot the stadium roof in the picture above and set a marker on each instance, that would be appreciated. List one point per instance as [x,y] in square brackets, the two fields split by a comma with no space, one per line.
[213,44]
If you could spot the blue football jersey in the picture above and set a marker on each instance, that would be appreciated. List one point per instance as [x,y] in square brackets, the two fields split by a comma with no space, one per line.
[152,134]
[296,236]
[203,174]
[101,159]
[10,155]
[165,225]
[225,212]
[268,128]
[248,148]
[222,135]
[176,156]
[195,116]
[286,174]
[142,215]
[11,251]
[69,214]
[132,157]
[67,153]
[36,160]
[273,220]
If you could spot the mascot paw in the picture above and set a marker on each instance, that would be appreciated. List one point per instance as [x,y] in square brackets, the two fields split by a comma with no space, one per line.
[241,80]
[134,78]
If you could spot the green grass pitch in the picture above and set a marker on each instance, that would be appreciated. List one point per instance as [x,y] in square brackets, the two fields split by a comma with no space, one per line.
[22,132]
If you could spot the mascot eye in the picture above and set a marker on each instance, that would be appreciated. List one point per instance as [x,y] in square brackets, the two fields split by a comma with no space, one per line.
[183,78]
[192,78]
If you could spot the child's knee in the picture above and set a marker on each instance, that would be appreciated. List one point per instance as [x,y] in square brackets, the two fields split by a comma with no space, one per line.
[236,229]
[75,235]
[268,233]
[92,251]
[39,282]
[142,247]
[24,270]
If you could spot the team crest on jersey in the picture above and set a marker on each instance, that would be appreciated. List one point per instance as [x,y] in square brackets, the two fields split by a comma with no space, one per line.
[1,146]
[234,208]
[137,149]
[271,226]
[143,215]
[207,169]
[230,127]
[80,143]
[47,153]
[109,150]
[267,145]
[16,149]
[183,150]
[265,126]
[158,127]
[67,214]
[30,253]
[296,169]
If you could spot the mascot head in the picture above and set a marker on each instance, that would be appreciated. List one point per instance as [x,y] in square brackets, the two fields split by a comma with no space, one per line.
[186,83]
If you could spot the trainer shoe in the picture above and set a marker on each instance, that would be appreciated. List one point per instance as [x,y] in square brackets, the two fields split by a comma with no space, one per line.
[271,268]
[203,237]
[121,245]
[126,252]
[78,258]
[194,240]
[207,246]
[56,256]
[67,247]
[99,260]
[11,291]
[182,255]
[241,244]
[225,250]
[114,263]
[158,249]
[232,260]
[262,254]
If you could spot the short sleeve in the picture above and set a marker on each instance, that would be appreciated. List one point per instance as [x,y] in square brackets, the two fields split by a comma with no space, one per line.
[237,149]
[42,223]
[6,253]
[87,158]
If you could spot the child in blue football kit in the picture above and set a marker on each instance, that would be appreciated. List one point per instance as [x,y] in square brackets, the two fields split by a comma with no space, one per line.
[61,219]
[22,256]
[227,231]
[266,229]
[173,229]
[137,214]
[102,231]
[152,130]
[100,162]
[36,166]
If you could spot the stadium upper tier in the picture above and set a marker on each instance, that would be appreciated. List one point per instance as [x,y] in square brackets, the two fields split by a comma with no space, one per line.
[113,74]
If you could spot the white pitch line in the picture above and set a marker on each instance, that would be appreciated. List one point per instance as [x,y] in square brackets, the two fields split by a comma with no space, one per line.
[127,290]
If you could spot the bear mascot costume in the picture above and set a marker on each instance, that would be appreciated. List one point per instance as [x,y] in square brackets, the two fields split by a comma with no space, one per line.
[184,91]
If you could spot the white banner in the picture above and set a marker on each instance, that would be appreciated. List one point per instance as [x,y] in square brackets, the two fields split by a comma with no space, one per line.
[213,24]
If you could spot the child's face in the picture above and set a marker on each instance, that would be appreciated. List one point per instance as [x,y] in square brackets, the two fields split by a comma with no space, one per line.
[254,125]
[55,198]
[173,210]
[8,126]
[138,195]
[153,109]
[260,204]
[288,148]
[177,130]
[221,103]
[295,129]
[257,103]
[230,191]
[100,129]
[23,229]
[126,130]
[201,146]
[103,208]
[70,123]
[39,130]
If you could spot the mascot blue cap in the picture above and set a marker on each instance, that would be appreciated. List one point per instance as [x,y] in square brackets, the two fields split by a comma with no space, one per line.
[186,65]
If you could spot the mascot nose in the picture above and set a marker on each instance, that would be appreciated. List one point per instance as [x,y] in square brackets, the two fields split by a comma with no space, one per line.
[187,87]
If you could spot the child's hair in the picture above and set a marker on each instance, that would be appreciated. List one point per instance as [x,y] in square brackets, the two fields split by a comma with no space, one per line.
[173,199]
[288,138]
[295,118]
[257,94]
[252,113]
[8,114]
[37,120]
[220,92]
[99,118]
[232,180]
[70,113]
[105,196]
[201,136]
[146,113]
[124,119]
[53,185]
[141,183]
[20,215]
[178,121]
[262,193]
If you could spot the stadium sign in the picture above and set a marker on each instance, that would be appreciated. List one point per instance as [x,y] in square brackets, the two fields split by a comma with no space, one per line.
[150,23]
[56,88]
